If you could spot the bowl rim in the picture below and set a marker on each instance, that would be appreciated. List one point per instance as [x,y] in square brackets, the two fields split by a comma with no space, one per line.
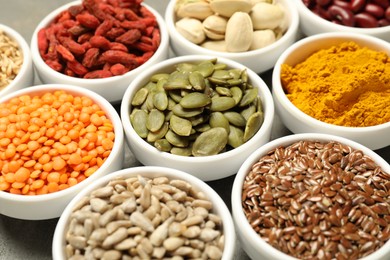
[290,33]
[116,149]
[304,11]
[268,109]
[40,64]
[24,49]
[242,224]
[279,94]
[151,171]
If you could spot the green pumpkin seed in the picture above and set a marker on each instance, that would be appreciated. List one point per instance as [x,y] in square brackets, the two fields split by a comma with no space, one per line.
[221,74]
[223,91]
[217,119]
[180,125]
[159,134]
[175,95]
[138,119]
[206,68]
[247,112]
[177,83]
[148,104]
[210,142]
[253,125]
[244,76]
[250,96]
[234,82]
[171,103]
[157,77]
[186,112]
[160,85]
[222,103]
[160,101]
[185,67]
[195,100]
[163,145]
[197,120]
[219,66]
[139,97]
[202,127]
[217,81]
[235,118]
[236,94]
[176,140]
[236,137]
[186,151]
[235,73]
[155,120]
[197,81]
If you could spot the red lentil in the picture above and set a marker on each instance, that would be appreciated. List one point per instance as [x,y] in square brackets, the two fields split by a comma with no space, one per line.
[51,142]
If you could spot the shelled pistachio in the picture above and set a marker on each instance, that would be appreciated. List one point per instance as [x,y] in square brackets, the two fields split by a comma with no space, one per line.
[199,109]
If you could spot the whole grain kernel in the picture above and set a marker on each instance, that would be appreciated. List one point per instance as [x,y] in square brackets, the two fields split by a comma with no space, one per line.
[338,209]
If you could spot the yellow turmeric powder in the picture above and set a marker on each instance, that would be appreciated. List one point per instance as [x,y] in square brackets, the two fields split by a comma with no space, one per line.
[345,85]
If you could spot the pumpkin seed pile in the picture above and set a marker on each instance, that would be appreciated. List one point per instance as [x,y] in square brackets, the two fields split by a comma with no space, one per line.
[200,109]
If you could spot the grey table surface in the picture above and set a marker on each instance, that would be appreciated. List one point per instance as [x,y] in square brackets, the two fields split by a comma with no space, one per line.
[23,239]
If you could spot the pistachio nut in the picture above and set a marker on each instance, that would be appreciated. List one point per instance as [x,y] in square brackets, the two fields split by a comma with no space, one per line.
[266,16]
[215,45]
[262,38]
[239,32]
[194,9]
[229,7]
[214,27]
[191,29]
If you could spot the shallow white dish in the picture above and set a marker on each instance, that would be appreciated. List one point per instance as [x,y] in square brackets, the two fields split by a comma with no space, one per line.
[111,88]
[374,137]
[259,60]
[51,205]
[206,168]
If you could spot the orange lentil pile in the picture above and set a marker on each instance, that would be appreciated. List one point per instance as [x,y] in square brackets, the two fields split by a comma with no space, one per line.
[50,142]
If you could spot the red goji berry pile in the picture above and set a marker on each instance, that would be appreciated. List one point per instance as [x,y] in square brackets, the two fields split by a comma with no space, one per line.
[100,38]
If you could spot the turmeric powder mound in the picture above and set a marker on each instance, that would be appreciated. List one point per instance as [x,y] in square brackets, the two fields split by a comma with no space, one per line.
[345,85]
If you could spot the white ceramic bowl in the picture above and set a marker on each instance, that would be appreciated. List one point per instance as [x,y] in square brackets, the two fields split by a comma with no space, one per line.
[219,206]
[51,205]
[111,88]
[204,167]
[255,246]
[259,60]
[311,24]
[374,137]
[25,76]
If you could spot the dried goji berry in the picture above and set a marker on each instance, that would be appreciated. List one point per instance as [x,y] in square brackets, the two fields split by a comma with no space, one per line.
[88,20]
[43,43]
[77,68]
[91,57]
[114,56]
[100,42]
[114,36]
[104,27]
[118,69]
[64,52]
[129,37]
[73,46]
[98,74]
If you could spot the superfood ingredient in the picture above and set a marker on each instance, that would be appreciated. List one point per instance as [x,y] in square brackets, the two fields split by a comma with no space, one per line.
[319,200]
[51,141]
[99,39]
[353,13]
[345,85]
[199,109]
[11,59]
[230,25]
[145,218]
